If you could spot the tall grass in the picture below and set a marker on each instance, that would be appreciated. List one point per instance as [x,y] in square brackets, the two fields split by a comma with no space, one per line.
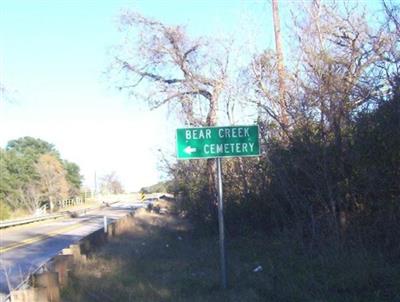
[158,258]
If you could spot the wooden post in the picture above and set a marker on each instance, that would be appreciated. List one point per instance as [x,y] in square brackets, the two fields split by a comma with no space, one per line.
[29,295]
[62,264]
[49,282]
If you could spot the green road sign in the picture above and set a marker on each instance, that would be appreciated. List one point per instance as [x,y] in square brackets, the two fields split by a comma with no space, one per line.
[211,142]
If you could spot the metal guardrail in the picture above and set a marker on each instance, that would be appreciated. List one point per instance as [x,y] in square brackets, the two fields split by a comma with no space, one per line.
[16,222]
[60,204]
[43,266]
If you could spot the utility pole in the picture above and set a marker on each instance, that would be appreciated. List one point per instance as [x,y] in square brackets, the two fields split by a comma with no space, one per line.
[95,185]
[281,70]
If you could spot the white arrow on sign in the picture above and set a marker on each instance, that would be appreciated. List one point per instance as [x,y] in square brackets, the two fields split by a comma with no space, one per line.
[189,150]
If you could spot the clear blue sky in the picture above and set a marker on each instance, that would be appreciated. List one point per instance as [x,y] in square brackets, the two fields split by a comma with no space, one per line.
[53,55]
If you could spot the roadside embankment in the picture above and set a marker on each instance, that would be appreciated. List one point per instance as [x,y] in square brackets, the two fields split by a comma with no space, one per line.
[157,256]
[52,257]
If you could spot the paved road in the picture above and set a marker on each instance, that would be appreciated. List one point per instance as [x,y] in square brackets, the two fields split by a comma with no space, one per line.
[23,249]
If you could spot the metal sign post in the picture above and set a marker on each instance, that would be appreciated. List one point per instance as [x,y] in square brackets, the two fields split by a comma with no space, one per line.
[218,142]
[221,225]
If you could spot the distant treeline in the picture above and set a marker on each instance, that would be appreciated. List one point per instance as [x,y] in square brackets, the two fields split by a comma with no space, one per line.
[160,187]
[32,174]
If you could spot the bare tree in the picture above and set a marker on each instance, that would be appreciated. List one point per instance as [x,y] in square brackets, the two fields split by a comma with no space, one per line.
[7,93]
[3,93]
[176,68]
[339,51]
[165,66]
[31,196]
[390,63]
[110,184]
[335,75]
[264,78]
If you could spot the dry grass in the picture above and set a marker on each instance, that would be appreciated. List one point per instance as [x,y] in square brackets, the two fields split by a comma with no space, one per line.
[159,258]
